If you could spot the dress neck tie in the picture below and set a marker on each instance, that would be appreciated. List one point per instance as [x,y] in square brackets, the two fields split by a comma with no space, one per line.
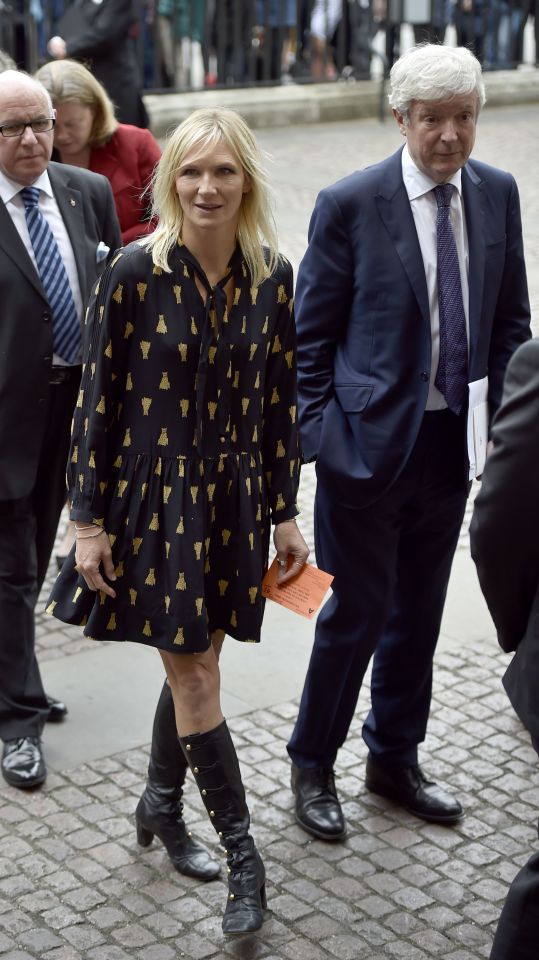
[452,374]
[66,334]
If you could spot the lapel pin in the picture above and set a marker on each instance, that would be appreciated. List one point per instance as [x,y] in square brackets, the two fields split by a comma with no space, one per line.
[73,202]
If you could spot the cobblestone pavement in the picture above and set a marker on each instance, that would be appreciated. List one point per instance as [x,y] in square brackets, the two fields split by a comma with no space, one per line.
[75,886]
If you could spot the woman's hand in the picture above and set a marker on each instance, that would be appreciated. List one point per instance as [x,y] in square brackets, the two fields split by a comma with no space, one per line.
[289,543]
[92,551]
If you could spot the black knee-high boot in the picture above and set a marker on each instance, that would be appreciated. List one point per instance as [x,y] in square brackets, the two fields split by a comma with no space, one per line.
[159,810]
[215,766]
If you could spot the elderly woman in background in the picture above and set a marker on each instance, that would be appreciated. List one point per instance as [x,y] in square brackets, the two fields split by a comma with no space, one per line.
[184,451]
[87,134]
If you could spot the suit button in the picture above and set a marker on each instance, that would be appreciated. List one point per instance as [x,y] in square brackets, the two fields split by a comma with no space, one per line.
[425,376]
[47,317]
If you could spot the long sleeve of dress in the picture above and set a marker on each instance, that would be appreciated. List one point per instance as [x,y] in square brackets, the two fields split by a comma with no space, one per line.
[280,442]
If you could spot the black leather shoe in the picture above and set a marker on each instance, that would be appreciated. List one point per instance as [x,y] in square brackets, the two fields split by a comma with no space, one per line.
[318,809]
[57,710]
[22,763]
[409,787]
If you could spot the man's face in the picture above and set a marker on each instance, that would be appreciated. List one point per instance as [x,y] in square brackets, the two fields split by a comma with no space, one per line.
[23,159]
[440,134]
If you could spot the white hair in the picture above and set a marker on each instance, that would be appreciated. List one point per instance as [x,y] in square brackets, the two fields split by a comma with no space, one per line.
[14,77]
[430,71]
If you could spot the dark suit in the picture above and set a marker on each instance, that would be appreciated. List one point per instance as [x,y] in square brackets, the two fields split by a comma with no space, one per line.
[505,546]
[34,431]
[392,479]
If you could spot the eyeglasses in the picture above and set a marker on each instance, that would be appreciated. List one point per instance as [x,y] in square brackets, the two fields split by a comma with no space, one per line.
[43,125]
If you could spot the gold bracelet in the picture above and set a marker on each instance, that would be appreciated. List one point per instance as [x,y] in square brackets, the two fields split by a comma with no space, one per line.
[89,536]
[87,526]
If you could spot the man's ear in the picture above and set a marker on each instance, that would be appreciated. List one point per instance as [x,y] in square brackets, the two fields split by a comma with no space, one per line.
[400,121]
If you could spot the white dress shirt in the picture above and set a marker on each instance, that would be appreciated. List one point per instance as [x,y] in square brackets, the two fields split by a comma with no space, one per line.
[10,193]
[420,188]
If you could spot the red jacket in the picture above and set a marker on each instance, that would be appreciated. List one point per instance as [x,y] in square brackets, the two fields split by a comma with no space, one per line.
[128,160]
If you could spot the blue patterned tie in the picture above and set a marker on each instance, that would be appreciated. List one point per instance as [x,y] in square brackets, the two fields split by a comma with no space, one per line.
[66,336]
[452,374]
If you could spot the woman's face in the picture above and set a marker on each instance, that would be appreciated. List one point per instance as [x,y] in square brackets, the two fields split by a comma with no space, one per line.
[74,122]
[211,184]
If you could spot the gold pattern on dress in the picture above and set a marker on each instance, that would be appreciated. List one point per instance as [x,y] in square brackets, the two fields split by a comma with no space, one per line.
[127,437]
[179,639]
[147,630]
[75,454]
[143,491]
[212,407]
[119,569]
[154,522]
[252,541]
[252,593]
[180,527]
[198,603]
[182,347]
[276,348]
[226,537]
[122,487]
[257,381]
[197,547]
[167,604]
[129,328]
[222,584]
[163,438]
[254,295]
[248,485]
[181,468]
[167,549]
[281,294]
[237,292]
[255,434]
[108,350]
[194,328]
[211,491]
[158,467]
[244,405]
[234,435]
[91,459]
[117,295]
[111,536]
[129,382]
[161,325]
[51,606]
[145,348]
[165,382]
[118,462]
[132,596]
[274,396]
[207,567]
[157,271]
[181,584]
[102,598]
[280,505]
[265,326]
[77,594]
[280,451]
[213,318]
[111,625]
[289,357]
[101,405]
[244,324]
[201,468]
[150,579]
[81,481]
[137,541]
[80,397]
[184,407]
[259,514]
[292,412]
[233,619]
[221,464]
[146,404]
[177,292]
[236,381]
[141,290]
[194,493]
[166,493]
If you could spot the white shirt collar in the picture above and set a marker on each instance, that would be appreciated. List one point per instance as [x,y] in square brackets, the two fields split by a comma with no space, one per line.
[417,183]
[9,188]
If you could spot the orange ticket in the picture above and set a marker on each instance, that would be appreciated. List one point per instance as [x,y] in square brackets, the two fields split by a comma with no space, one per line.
[304,594]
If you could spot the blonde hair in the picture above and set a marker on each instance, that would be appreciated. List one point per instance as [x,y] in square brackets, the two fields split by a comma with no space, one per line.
[206,127]
[69,82]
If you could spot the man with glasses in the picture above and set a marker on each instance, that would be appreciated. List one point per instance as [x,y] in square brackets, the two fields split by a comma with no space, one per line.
[57,228]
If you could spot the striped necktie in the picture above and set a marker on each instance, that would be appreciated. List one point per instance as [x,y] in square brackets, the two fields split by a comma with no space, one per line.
[66,336]
[452,374]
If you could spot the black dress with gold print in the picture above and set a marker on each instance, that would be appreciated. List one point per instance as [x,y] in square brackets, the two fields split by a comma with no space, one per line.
[185,448]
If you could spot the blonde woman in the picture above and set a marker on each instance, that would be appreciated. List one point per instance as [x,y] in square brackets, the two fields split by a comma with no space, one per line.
[185,450]
[87,134]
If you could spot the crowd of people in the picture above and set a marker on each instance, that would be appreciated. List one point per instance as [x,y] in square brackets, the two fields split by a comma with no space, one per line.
[188,44]
[146,301]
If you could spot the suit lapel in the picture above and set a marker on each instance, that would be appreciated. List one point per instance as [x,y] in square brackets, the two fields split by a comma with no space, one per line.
[13,247]
[69,200]
[474,211]
[395,210]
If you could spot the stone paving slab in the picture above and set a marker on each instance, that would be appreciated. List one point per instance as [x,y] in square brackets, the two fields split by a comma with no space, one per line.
[74,885]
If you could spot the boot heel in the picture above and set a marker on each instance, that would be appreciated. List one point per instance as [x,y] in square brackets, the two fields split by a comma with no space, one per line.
[144,836]
[263,898]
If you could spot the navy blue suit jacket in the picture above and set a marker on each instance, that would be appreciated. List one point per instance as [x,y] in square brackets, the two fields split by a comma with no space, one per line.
[364,341]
